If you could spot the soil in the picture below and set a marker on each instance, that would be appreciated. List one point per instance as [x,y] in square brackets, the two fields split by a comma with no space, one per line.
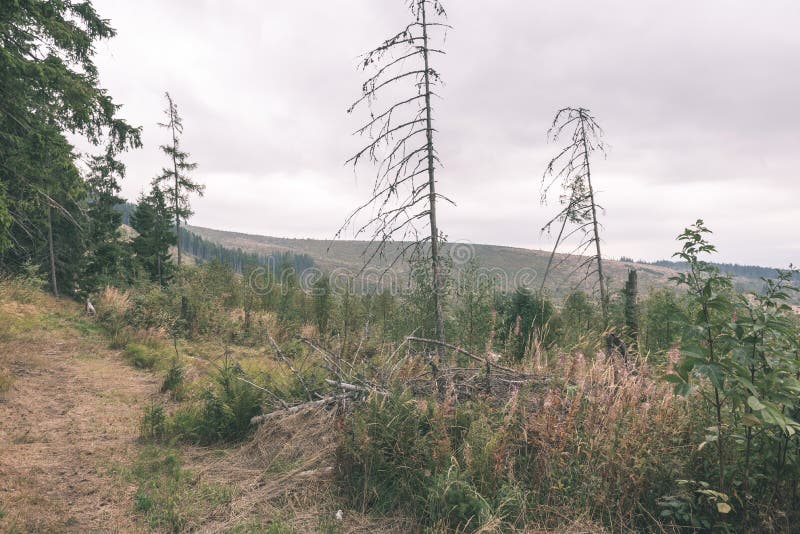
[68,423]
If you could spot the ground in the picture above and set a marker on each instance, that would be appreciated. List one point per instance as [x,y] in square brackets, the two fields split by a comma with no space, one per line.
[71,457]
[68,421]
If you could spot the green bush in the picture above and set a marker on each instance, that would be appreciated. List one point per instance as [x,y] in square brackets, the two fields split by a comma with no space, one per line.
[142,356]
[453,501]
[154,423]
[174,380]
[223,413]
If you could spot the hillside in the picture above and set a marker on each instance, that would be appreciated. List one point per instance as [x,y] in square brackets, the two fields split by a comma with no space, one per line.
[510,264]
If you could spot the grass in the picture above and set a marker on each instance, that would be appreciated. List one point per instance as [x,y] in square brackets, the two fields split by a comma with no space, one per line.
[6,381]
[169,497]
[149,355]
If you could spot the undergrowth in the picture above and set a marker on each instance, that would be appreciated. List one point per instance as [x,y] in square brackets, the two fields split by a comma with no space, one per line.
[169,497]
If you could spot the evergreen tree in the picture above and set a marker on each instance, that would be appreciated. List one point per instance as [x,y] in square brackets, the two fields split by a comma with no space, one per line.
[153,223]
[578,317]
[474,305]
[402,145]
[49,86]
[107,256]
[175,179]
[322,304]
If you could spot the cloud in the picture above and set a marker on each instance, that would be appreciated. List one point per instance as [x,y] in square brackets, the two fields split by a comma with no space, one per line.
[697,101]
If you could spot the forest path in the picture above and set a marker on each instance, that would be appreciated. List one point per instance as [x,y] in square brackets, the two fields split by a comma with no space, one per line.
[69,420]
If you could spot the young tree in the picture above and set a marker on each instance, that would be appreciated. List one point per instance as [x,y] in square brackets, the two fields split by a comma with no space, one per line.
[571,167]
[322,304]
[106,255]
[402,144]
[631,292]
[176,180]
[153,223]
[474,307]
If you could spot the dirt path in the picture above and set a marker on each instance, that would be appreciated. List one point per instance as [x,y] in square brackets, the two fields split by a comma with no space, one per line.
[67,423]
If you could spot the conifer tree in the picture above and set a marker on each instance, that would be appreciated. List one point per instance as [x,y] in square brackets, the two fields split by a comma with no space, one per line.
[175,179]
[49,86]
[153,223]
[107,256]
[572,168]
[402,145]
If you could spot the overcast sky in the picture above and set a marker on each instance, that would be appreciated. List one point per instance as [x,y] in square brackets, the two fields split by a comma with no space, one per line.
[699,100]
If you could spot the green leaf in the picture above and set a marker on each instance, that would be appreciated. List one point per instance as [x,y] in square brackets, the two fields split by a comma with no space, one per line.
[750,420]
[755,404]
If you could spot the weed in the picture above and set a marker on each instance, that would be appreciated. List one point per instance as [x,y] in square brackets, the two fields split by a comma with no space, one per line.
[174,380]
[154,423]
[169,497]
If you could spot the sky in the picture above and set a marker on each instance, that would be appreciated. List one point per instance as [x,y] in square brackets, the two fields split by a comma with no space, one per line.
[698,102]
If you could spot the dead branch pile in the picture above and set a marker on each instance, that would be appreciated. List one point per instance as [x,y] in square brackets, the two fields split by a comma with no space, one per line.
[424,372]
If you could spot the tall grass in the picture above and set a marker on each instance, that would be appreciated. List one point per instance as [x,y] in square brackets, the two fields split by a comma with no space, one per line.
[601,441]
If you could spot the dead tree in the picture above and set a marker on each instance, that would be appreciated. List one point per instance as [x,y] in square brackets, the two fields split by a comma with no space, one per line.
[572,168]
[401,146]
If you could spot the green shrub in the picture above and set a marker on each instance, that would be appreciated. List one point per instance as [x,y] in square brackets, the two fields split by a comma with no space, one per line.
[174,380]
[154,423]
[141,356]
[453,501]
[391,454]
[224,411]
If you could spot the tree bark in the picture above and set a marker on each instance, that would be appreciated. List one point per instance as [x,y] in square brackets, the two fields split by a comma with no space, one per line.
[53,280]
[601,278]
[435,260]
[177,183]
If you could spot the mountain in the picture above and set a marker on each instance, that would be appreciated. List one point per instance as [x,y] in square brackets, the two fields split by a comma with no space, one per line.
[510,266]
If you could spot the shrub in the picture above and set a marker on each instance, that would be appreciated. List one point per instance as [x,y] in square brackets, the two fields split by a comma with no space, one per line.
[454,502]
[224,411]
[154,423]
[141,356]
[25,287]
[174,380]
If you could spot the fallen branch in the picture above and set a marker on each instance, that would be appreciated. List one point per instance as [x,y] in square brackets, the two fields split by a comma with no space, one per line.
[353,387]
[465,352]
[298,407]
[288,364]
[270,393]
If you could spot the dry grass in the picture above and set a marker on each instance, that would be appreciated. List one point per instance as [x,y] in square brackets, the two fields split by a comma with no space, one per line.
[113,300]
[285,475]
[617,425]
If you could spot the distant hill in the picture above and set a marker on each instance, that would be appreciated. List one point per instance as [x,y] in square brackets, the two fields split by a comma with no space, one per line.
[514,266]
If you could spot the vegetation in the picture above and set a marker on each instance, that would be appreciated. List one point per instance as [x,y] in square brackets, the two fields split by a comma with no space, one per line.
[443,400]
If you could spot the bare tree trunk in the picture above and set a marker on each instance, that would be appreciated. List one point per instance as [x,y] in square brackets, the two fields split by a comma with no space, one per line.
[53,280]
[600,276]
[572,168]
[435,260]
[175,195]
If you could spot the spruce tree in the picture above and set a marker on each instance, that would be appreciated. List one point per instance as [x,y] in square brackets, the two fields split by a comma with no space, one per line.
[107,255]
[153,223]
[50,87]
[175,179]
[402,145]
